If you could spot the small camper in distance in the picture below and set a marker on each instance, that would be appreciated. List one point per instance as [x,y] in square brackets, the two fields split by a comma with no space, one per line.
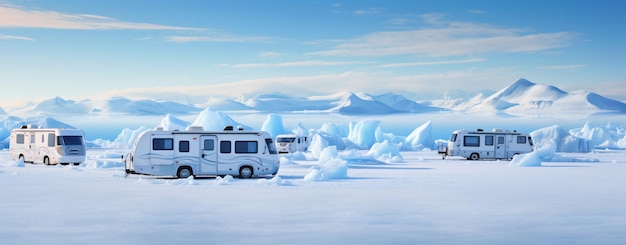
[479,144]
[290,143]
[49,146]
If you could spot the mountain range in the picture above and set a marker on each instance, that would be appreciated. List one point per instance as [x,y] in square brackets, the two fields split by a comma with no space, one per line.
[521,96]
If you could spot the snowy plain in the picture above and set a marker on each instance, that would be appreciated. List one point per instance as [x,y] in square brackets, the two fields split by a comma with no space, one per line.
[367,179]
[423,200]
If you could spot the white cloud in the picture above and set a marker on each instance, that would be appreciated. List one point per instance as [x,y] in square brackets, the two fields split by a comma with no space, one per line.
[143,38]
[399,21]
[294,64]
[443,62]
[366,11]
[449,39]
[476,11]
[14,17]
[561,67]
[434,18]
[9,37]
[270,54]
[224,38]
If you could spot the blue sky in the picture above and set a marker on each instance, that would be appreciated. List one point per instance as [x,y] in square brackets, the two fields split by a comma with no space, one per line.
[79,49]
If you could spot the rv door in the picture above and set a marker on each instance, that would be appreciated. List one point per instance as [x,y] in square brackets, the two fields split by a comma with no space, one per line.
[208,155]
[32,149]
[500,146]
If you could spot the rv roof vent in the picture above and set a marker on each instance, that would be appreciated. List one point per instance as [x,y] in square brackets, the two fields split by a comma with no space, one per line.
[240,128]
[24,127]
[479,130]
[159,129]
[497,130]
[228,128]
[195,128]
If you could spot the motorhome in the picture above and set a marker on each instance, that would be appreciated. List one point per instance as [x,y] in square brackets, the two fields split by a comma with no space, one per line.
[480,144]
[49,146]
[289,143]
[199,153]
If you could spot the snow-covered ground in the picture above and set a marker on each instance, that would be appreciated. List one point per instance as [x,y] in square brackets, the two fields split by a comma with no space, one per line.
[577,198]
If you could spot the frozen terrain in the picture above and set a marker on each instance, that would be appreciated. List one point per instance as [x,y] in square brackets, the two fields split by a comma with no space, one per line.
[575,200]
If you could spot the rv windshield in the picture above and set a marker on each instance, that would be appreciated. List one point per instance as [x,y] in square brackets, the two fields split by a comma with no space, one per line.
[453,138]
[70,140]
[270,146]
[285,140]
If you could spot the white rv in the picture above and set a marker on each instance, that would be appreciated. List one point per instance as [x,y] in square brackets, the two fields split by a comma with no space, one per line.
[288,143]
[480,144]
[47,145]
[195,152]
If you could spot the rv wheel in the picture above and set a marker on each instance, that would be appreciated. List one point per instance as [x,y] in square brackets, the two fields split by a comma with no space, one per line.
[474,156]
[46,161]
[245,172]
[184,172]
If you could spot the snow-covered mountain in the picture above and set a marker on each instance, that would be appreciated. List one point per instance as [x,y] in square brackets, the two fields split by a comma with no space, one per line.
[353,104]
[225,104]
[278,102]
[403,104]
[525,96]
[146,107]
[60,105]
[347,103]
[520,97]
[112,105]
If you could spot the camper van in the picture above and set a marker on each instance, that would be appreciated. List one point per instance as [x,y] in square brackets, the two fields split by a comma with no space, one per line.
[195,152]
[479,144]
[49,146]
[289,143]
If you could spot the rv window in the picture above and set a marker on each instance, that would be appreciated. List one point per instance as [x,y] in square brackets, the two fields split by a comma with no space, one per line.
[43,137]
[489,140]
[521,139]
[19,138]
[501,140]
[271,146]
[70,140]
[209,145]
[246,147]
[471,140]
[453,138]
[32,138]
[183,146]
[225,146]
[162,144]
[51,140]
[285,140]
